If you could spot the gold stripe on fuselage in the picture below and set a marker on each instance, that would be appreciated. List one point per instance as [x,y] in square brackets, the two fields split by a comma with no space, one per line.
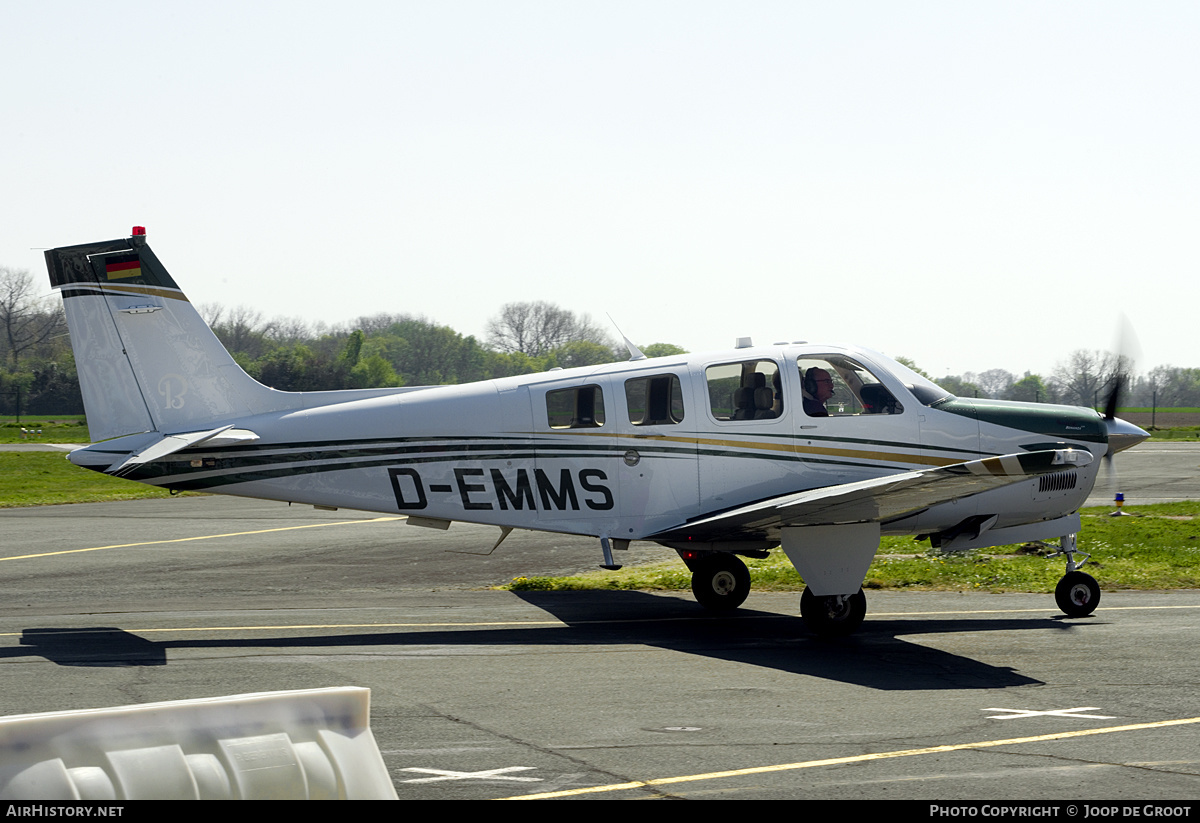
[787,448]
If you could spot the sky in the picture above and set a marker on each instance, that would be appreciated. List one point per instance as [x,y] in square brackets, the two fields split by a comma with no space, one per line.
[970,185]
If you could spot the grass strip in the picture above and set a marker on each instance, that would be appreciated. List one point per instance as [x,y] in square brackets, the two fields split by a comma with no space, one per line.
[46,478]
[69,429]
[1156,548]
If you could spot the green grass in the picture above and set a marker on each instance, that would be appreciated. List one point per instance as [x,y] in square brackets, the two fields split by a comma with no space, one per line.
[1176,433]
[45,478]
[1158,549]
[60,429]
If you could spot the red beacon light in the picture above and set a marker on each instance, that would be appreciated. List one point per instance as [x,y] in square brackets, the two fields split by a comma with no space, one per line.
[139,231]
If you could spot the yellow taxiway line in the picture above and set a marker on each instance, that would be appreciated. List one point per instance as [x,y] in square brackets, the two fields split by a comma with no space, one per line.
[200,537]
[862,758]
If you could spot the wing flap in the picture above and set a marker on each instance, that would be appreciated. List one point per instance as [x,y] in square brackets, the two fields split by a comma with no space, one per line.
[879,499]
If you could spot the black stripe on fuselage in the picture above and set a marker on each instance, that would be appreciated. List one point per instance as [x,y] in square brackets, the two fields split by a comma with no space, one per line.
[201,468]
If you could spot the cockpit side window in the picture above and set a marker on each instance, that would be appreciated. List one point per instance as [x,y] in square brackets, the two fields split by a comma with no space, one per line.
[577,408]
[749,390]
[839,386]
[654,401]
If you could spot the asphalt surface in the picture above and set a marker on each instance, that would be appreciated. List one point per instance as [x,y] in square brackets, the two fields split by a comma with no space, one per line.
[1161,472]
[479,693]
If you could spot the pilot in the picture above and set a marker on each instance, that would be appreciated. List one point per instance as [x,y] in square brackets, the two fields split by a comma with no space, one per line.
[818,388]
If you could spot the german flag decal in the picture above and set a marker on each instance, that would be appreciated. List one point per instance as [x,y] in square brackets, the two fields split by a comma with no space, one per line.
[123,267]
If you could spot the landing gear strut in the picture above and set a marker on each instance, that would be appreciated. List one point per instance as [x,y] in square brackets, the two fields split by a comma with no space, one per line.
[834,615]
[1078,593]
[720,581]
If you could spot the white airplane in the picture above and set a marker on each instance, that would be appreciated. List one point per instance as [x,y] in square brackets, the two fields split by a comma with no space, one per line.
[819,449]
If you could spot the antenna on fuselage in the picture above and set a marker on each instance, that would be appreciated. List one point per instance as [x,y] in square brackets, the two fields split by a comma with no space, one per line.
[634,352]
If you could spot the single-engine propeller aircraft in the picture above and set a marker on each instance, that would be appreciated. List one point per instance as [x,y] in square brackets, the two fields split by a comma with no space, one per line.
[819,449]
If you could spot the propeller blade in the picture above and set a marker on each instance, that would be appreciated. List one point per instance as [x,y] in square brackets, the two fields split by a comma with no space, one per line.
[1127,351]
[1121,434]
[1114,396]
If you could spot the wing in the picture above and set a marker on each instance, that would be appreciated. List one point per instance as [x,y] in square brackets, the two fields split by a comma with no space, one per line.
[877,500]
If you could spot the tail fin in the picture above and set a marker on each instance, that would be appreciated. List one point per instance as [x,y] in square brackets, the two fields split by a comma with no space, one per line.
[146,359]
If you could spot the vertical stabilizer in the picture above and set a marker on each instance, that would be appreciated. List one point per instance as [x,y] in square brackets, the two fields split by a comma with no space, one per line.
[146,359]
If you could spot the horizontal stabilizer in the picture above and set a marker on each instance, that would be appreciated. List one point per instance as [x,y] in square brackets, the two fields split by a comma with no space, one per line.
[171,443]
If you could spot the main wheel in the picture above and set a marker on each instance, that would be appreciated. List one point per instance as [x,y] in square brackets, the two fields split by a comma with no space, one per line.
[833,615]
[720,581]
[1077,594]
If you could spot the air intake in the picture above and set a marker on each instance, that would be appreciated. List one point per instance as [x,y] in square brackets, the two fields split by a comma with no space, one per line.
[1057,482]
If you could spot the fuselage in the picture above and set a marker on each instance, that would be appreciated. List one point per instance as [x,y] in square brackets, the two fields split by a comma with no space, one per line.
[628,450]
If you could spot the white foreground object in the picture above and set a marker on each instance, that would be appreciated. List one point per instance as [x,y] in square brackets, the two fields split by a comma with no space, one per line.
[298,745]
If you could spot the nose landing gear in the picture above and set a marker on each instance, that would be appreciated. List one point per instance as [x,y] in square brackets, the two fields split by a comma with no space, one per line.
[1078,593]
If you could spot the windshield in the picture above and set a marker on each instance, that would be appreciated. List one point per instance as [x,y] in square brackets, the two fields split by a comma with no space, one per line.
[925,390]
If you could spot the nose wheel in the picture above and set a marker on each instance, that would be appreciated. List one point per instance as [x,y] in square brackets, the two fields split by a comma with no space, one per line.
[1077,594]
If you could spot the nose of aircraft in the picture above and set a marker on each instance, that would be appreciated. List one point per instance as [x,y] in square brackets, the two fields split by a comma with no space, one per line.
[1123,435]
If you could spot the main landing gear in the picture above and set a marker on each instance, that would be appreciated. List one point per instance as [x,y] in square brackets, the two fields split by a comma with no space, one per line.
[833,615]
[720,581]
[1078,593]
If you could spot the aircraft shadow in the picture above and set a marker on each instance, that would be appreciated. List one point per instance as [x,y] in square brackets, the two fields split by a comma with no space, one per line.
[876,657]
[91,646]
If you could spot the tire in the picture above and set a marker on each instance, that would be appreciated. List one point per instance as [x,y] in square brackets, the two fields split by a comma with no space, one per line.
[1077,594]
[825,617]
[720,582]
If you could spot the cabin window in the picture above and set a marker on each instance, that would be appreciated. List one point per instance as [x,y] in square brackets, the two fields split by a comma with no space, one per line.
[749,390]
[838,386]
[655,400]
[578,408]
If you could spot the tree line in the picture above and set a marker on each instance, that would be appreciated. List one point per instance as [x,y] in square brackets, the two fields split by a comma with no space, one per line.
[37,375]
[409,350]
[1083,378]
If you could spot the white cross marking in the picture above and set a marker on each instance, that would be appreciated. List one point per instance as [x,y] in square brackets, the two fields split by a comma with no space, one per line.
[488,774]
[1057,713]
